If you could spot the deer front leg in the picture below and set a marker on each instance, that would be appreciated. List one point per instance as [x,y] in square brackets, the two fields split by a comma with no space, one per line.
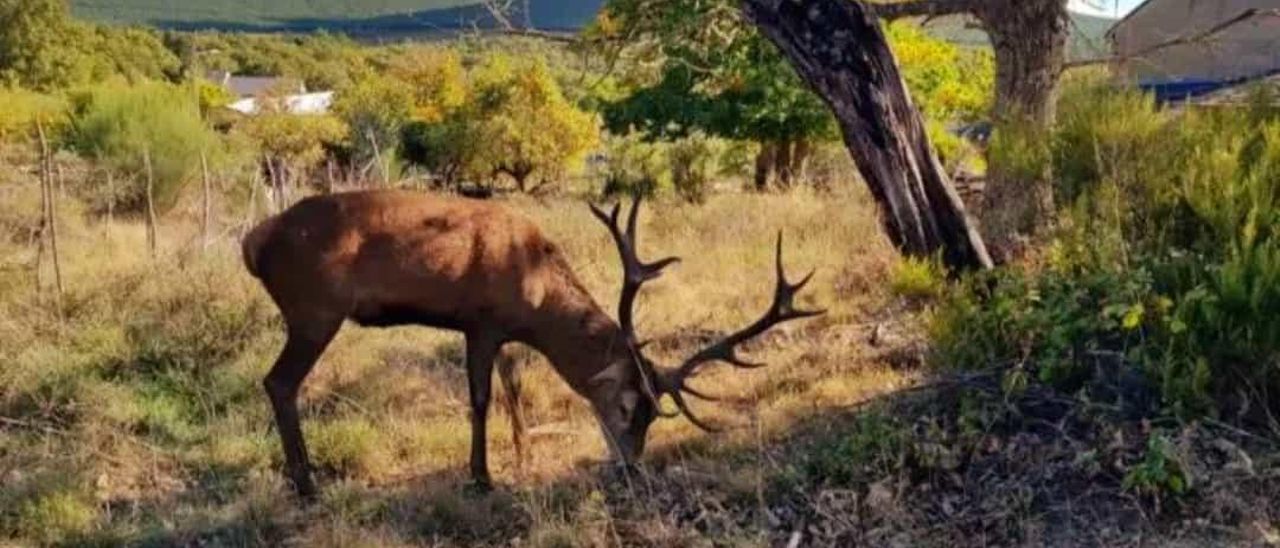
[300,353]
[482,348]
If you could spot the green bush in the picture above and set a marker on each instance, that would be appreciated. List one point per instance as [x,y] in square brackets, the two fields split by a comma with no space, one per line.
[57,517]
[129,126]
[1167,257]
[692,162]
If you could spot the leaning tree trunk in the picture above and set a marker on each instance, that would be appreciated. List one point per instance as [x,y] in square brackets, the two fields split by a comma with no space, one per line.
[838,48]
[1030,40]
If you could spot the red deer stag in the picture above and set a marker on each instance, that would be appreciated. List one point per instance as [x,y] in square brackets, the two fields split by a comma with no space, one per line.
[387,258]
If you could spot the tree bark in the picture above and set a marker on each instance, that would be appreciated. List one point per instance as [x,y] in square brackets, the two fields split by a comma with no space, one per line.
[1029,38]
[782,163]
[838,48]
[1030,42]
[800,159]
[764,165]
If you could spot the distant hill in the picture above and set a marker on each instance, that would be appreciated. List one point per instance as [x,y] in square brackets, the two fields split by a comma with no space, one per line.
[357,17]
[1088,34]
[403,17]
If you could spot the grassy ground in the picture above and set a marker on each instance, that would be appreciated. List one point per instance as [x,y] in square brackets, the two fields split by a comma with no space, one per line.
[139,418]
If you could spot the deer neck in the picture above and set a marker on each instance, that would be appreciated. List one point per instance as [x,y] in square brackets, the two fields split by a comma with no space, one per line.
[579,340]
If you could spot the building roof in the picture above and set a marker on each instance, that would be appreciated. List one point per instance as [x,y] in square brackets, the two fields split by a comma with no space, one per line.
[251,86]
[303,103]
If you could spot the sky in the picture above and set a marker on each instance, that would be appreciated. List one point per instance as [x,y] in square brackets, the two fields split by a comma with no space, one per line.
[1105,8]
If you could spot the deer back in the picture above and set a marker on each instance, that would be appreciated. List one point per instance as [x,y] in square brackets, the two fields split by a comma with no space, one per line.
[398,257]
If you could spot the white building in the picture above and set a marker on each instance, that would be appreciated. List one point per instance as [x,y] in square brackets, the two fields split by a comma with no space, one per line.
[1227,43]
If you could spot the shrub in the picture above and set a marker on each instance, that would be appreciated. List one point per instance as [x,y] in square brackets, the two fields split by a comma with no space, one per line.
[917,279]
[57,517]
[349,446]
[1167,257]
[23,109]
[692,160]
[127,126]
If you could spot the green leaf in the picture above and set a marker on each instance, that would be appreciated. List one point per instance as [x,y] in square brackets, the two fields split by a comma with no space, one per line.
[1133,317]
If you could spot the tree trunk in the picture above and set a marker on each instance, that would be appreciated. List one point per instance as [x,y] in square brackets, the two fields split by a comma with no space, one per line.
[838,48]
[764,165]
[800,159]
[782,163]
[1030,40]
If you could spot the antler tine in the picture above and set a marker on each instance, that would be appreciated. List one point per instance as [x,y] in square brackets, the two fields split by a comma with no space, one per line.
[678,397]
[634,272]
[781,310]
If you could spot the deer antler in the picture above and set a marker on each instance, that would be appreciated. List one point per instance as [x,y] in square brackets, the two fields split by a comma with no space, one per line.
[782,310]
[634,274]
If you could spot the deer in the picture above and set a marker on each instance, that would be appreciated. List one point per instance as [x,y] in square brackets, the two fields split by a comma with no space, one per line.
[387,258]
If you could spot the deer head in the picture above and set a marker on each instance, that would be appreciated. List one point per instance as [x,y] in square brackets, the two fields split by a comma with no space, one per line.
[635,385]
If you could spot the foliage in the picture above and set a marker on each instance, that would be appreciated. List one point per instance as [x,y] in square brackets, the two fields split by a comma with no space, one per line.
[435,77]
[918,279]
[24,109]
[43,48]
[692,163]
[715,75]
[374,111]
[298,141]
[37,43]
[1166,258]
[946,82]
[634,167]
[128,126]
[1160,471]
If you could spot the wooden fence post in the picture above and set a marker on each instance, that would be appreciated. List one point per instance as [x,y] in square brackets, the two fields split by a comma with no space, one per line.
[204,228]
[50,213]
[151,205]
[111,199]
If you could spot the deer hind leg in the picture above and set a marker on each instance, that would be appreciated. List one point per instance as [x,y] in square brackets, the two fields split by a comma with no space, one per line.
[482,348]
[507,363]
[303,348]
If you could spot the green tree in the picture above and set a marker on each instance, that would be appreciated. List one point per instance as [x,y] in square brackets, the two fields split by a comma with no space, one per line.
[523,124]
[290,144]
[38,44]
[436,78]
[375,111]
[732,84]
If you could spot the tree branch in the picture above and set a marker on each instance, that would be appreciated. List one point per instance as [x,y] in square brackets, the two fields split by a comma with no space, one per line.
[921,8]
[1193,38]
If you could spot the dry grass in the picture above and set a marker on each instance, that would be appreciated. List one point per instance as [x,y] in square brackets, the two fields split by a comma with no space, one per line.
[139,418]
